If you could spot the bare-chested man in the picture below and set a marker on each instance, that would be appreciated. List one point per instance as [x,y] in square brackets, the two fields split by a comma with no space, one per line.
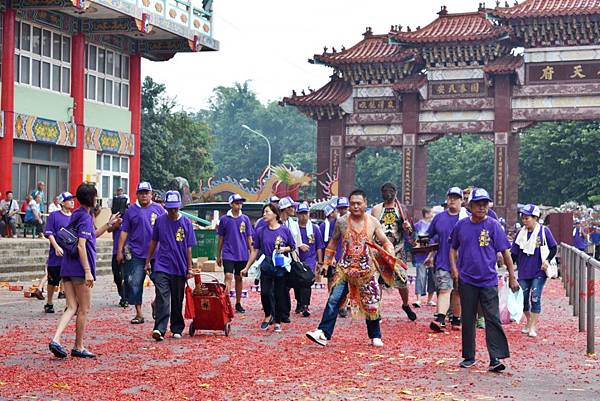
[396,226]
[355,270]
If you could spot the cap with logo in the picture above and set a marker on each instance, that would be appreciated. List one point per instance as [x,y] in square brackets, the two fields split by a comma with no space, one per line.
[65,196]
[172,200]
[455,191]
[303,207]
[342,202]
[479,194]
[236,198]
[284,203]
[144,186]
[328,210]
[530,210]
[274,199]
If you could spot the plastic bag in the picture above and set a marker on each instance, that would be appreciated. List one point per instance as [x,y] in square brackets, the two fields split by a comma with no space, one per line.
[515,304]
[503,303]
[254,270]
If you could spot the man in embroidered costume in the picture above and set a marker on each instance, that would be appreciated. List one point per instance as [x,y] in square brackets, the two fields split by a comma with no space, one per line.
[355,271]
[398,229]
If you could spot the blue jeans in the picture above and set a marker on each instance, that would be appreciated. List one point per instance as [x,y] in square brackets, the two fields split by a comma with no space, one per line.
[532,289]
[327,325]
[425,282]
[134,273]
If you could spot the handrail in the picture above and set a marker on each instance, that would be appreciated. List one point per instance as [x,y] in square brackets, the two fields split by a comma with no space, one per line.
[578,273]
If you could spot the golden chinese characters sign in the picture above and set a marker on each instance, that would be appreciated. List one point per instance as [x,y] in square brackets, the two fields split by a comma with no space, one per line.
[457,89]
[571,72]
[375,105]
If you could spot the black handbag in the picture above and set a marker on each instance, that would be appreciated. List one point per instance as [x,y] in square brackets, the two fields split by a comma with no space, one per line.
[67,238]
[301,274]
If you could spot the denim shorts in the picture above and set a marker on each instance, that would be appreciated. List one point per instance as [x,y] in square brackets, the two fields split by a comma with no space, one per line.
[443,279]
[134,276]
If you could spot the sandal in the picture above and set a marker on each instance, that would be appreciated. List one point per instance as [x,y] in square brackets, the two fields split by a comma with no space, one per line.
[137,320]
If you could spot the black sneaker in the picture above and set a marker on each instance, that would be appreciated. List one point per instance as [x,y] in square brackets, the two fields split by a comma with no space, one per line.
[343,312]
[409,312]
[48,308]
[306,312]
[61,295]
[123,303]
[437,326]
[239,308]
[467,363]
[455,322]
[496,365]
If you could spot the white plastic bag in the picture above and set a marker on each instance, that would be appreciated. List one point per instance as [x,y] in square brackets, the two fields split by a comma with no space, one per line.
[503,303]
[254,270]
[515,304]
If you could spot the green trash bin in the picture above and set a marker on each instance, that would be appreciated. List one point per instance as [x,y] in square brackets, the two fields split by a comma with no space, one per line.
[207,244]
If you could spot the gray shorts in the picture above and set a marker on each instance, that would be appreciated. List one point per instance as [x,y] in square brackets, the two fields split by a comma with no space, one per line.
[443,280]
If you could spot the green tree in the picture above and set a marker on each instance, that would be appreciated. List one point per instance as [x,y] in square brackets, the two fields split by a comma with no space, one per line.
[376,166]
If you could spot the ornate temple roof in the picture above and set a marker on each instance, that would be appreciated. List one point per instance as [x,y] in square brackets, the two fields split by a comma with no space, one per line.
[372,49]
[505,64]
[463,27]
[410,84]
[332,94]
[548,8]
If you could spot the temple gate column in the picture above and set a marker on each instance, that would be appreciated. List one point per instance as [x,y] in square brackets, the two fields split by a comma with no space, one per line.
[77,93]
[336,162]
[135,107]
[414,157]
[506,153]
[8,91]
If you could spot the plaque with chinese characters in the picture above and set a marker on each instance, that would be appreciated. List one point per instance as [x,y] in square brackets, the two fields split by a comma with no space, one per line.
[375,105]
[574,71]
[457,89]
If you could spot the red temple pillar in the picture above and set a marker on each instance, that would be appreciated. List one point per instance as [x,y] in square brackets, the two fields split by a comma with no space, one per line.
[414,157]
[8,91]
[77,93]
[135,107]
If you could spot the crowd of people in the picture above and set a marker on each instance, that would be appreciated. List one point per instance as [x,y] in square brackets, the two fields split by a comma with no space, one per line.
[456,250]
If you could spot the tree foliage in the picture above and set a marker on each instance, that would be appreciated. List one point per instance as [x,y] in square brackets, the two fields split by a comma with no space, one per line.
[376,166]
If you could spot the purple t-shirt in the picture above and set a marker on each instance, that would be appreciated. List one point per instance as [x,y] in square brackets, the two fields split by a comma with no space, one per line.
[174,237]
[71,264]
[235,232]
[115,235]
[441,227]
[137,223]
[315,242]
[260,223]
[579,240]
[477,245]
[530,266]
[338,250]
[421,227]
[56,221]
[266,238]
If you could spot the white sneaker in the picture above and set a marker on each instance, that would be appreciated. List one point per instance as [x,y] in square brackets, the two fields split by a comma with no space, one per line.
[177,336]
[277,328]
[376,342]
[157,335]
[525,330]
[317,336]
[532,333]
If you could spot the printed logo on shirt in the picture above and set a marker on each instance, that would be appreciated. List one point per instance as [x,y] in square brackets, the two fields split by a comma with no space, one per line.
[242,227]
[311,239]
[278,242]
[389,217]
[153,217]
[179,235]
[538,243]
[484,238]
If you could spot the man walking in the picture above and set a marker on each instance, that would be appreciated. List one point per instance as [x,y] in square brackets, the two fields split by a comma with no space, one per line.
[136,233]
[475,242]
[310,253]
[356,270]
[441,227]
[396,226]
[235,240]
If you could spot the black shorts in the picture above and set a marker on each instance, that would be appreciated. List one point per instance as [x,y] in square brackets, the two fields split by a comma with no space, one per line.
[75,280]
[53,275]
[233,267]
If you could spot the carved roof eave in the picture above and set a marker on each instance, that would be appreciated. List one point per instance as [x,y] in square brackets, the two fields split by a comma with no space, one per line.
[330,112]
[379,72]
[556,31]
[462,54]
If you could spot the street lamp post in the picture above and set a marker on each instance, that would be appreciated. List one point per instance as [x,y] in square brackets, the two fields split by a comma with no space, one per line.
[266,139]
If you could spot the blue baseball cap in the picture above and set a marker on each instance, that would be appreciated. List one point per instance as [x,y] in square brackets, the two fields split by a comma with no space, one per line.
[65,196]
[172,200]
[303,208]
[577,221]
[284,203]
[342,202]
[530,210]
[274,199]
[236,198]
[144,186]
[455,191]
[479,194]
[328,210]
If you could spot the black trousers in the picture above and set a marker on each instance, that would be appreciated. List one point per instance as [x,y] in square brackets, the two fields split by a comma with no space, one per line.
[302,295]
[487,297]
[168,304]
[273,292]
[118,277]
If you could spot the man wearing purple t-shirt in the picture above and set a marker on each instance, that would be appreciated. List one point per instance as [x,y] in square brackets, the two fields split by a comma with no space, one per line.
[136,233]
[310,253]
[475,242]
[56,221]
[235,240]
[579,236]
[172,266]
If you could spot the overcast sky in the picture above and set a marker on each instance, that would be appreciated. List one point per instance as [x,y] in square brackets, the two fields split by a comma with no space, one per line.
[269,42]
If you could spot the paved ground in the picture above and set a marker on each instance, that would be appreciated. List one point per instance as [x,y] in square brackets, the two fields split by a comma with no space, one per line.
[256,365]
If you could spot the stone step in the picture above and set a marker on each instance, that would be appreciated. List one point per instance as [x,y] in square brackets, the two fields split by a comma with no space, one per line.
[18,252]
[37,263]
[102,268]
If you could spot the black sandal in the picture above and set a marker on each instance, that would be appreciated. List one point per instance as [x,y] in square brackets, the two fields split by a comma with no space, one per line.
[137,320]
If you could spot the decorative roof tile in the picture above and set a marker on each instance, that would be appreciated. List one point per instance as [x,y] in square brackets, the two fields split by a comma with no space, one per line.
[332,94]
[463,27]
[548,8]
[504,64]
[372,49]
